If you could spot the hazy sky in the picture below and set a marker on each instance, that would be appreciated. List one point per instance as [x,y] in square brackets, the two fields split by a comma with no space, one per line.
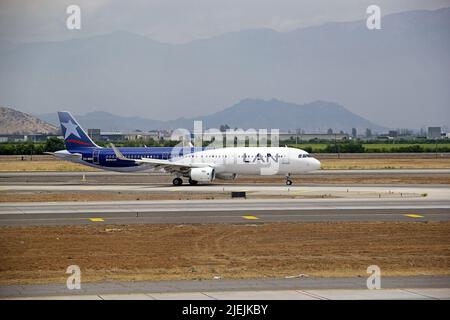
[178,21]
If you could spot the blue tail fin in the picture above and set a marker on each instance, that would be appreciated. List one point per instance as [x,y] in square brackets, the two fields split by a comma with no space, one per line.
[74,136]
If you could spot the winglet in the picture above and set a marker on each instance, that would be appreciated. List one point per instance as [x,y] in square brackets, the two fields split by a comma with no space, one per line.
[119,154]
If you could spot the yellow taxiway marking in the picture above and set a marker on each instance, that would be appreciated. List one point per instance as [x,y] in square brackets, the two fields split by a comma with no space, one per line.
[96,219]
[414,215]
[250,217]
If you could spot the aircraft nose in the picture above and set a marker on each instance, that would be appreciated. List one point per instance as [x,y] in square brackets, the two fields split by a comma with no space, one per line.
[316,164]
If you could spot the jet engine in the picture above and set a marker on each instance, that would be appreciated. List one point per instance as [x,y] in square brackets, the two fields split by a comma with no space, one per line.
[202,174]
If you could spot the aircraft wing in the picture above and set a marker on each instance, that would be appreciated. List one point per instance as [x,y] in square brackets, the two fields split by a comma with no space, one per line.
[159,163]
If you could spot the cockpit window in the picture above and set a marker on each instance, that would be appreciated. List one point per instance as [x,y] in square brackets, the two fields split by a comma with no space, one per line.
[304,155]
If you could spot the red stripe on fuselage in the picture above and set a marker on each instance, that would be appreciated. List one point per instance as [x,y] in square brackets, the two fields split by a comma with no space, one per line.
[79,142]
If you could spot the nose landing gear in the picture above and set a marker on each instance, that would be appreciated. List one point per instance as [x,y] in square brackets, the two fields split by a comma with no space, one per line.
[288,179]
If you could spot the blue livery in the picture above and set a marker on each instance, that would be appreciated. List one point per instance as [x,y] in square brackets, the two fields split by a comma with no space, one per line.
[79,143]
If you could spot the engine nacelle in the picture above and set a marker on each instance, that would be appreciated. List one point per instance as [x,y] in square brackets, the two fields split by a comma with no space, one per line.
[226,176]
[202,174]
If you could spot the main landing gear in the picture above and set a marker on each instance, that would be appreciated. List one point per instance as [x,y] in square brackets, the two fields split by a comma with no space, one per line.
[288,180]
[177,181]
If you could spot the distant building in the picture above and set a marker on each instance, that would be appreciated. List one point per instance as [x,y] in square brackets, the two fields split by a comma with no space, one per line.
[128,136]
[434,133]
[368,133]
[313,136]
[94,134]
[165,134]
[404,132]
[112,136]
[354,133]
[330,131]
[27,137]
[13,137]
[393,133]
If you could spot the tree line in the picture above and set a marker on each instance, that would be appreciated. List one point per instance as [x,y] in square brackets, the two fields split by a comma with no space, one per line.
[54,144]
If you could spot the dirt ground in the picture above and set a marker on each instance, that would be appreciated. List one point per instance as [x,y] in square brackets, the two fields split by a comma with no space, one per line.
[48,164]
[107,196]
[85,196]
[386,163]
[42,165]
[156,252]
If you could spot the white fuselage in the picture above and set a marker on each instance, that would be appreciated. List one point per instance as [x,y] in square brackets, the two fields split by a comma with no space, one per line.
[253,160]
[227,162]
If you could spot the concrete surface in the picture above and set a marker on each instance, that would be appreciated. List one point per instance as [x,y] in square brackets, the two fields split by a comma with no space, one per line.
[226,285]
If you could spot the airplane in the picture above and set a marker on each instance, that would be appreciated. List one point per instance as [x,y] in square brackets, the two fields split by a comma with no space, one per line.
[198,164]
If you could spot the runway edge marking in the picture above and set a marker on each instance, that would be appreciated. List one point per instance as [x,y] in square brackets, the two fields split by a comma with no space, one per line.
[413,215]
[250,217]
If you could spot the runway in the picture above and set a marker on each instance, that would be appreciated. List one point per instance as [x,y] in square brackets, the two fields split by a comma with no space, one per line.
[164,179]
[303,288]
[266,202]
[225,211]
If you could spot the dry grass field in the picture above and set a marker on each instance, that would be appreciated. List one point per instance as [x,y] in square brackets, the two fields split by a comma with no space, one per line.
[42,165]
[387,163]
[155,252]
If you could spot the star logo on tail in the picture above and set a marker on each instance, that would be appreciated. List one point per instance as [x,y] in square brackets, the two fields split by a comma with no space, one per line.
[71,128]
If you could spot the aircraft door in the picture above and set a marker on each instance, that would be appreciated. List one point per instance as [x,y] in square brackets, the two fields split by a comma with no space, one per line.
[285,158]
[96,156]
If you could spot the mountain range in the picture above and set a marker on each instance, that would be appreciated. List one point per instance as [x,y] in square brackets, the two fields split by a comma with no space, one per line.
[316,116]
[16,122]
[397,76]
